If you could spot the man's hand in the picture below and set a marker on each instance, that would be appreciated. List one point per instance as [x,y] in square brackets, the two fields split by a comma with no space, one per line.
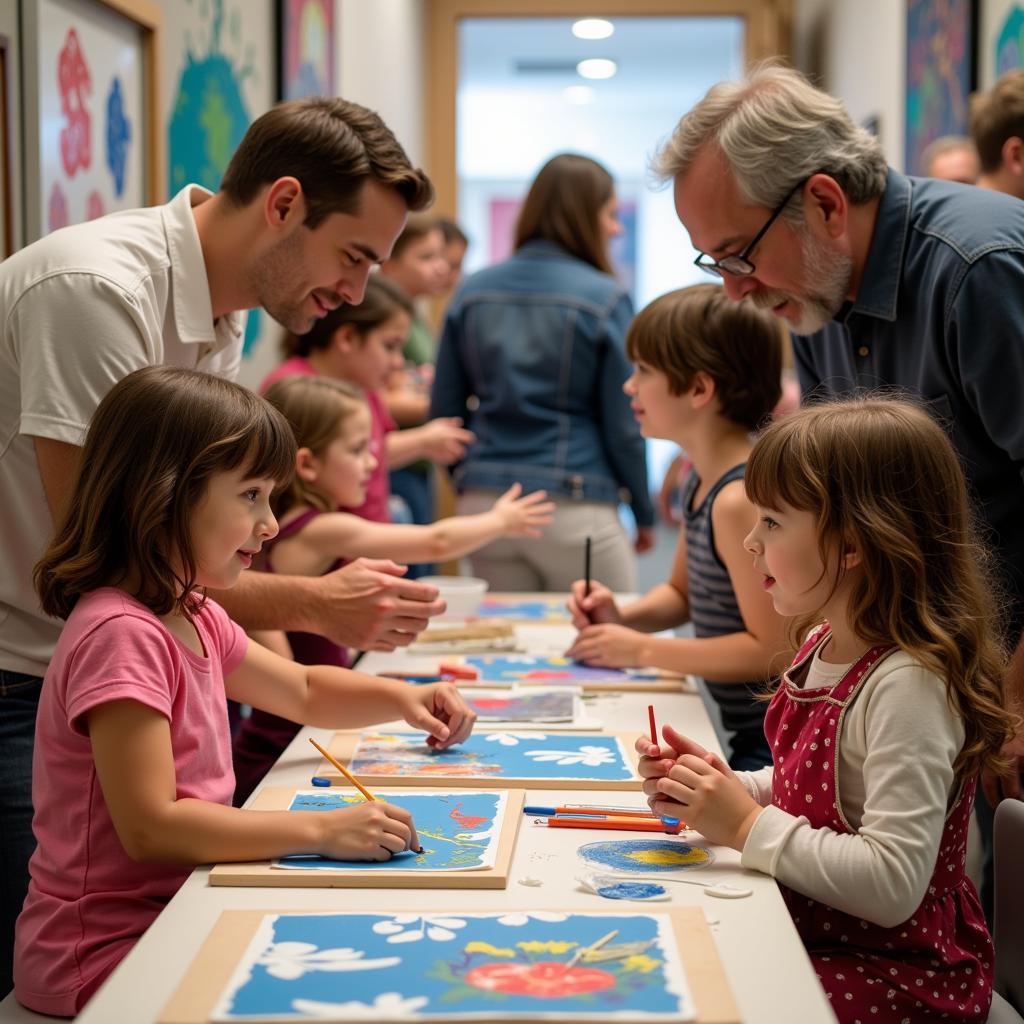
[368,605]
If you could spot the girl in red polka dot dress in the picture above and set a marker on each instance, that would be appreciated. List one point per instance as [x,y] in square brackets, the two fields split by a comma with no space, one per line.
[881,725]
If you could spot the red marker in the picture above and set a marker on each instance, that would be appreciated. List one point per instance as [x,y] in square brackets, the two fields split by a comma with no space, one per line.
[654,728]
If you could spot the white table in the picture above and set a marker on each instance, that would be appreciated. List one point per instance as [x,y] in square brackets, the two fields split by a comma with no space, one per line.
[764,960]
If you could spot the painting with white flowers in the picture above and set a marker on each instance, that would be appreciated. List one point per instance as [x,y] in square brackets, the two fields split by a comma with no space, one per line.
[522,756]
[538,965]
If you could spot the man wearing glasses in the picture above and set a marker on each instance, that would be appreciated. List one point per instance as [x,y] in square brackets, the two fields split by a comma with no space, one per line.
[884,280]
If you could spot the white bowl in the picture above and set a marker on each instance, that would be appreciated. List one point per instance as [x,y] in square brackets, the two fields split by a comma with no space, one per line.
[462,594]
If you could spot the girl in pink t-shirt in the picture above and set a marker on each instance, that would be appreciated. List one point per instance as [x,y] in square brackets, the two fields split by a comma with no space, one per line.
[363,345]
[333,467]
[132,777]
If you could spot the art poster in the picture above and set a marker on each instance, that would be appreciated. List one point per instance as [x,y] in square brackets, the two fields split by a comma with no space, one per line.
[307,48]
[536,669]
[1001,39]
[498,755]
[484,966]
[528,609]
[526,705]
[457,831]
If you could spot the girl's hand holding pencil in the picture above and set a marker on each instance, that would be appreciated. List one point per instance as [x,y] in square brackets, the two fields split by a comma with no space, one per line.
[371,830]
[594,608]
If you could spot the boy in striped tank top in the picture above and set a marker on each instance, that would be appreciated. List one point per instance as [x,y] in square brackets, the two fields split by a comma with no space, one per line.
[707,374]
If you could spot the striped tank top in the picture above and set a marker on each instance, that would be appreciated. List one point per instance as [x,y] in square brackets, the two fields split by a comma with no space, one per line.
[714,610]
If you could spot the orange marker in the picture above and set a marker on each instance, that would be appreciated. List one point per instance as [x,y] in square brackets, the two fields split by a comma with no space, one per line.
[622,824]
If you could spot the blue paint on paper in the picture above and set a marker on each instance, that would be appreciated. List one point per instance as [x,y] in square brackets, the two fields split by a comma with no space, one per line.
[119,135]
[455,830]
[535,669]
[499,755]
[540,610]
[631,891]
[646,855]
[453,966]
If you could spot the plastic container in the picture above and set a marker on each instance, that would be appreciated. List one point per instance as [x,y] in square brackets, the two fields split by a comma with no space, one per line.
[462,594]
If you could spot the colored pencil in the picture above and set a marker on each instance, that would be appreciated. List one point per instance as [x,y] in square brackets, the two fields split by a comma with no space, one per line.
[654,728]
[622,824]
[586,568]
[344,771]
[592,812]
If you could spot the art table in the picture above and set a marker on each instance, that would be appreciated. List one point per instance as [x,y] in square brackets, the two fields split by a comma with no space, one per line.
[765,964]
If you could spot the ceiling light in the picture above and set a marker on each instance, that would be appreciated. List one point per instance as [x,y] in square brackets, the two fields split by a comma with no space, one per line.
[578,95]
[592,28]
[596,67]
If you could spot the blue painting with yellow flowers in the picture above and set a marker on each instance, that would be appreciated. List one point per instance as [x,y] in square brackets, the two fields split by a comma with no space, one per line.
[533,965]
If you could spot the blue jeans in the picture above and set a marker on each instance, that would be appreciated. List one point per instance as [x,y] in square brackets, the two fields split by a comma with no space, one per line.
[19,699]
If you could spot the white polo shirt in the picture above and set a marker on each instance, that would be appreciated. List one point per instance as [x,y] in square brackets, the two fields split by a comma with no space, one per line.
[79,310]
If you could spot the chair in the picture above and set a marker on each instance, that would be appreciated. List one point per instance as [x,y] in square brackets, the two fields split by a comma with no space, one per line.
[1008,935]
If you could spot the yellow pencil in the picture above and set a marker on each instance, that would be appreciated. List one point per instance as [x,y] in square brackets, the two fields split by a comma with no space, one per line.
[344,771]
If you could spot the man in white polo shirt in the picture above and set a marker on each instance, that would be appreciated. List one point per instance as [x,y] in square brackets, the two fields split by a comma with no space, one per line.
[316,194]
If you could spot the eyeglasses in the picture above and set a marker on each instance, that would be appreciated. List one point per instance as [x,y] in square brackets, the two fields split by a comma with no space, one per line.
[737,263]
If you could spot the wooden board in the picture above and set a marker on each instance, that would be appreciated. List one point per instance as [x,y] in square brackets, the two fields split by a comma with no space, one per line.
[208,974]
[509,669]
[343,745]
[262,874]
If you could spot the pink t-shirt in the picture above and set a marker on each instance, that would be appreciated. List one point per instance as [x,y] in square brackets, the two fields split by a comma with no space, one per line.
[378,490]
[295,366]
[88,902]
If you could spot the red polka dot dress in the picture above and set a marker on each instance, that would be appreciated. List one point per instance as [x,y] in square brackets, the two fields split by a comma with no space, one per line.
[936,965]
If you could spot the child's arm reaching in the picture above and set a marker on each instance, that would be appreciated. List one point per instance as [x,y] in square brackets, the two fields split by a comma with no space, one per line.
[131,745]
[336,535]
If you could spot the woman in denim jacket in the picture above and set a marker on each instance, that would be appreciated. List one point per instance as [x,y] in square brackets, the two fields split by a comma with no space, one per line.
[533,358]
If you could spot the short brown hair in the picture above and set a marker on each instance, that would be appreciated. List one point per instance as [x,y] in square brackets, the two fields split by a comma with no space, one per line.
[153,444]
[316,409]
[700,329]
[383,299]
[562,206]
[418,226]
[998,115]
[332,147]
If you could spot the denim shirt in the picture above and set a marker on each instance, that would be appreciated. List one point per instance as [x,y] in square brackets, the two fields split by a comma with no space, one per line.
[532,357]
[939,314]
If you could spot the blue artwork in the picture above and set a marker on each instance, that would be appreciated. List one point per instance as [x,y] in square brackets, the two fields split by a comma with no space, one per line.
[488,966]
[534,669]
[536,705]
[541,609]
[208,121]
[457,831]
[1010,42]
[631,891]
[646,855]
[500,755]
[119,134]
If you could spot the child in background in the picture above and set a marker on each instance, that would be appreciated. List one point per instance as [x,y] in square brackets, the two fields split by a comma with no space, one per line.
[706,374]
[456,244]
[333,466]
[363,345]
[883,722]
[132,776]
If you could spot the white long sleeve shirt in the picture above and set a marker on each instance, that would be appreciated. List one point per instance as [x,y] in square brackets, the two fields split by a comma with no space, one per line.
[897,744]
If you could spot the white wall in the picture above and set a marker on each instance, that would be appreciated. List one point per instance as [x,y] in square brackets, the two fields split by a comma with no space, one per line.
[381,49]
[859,49]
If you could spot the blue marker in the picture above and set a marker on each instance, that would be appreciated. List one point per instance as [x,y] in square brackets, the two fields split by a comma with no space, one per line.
[585,812]
[319,780]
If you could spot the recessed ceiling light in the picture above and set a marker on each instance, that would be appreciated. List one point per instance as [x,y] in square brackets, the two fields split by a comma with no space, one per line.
[592,28]
[578,95]
[596,67]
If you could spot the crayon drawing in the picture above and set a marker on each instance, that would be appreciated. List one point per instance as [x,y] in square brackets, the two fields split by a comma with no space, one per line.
[457,831]
[535,609]
[646,855]
[509,755]
[475,966]
[529,705]
[536,669]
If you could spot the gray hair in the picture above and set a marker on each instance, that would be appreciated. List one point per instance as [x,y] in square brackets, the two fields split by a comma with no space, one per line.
[941,146]
[775,129]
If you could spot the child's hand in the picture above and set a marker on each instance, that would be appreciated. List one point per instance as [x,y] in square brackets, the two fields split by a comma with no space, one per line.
[523,517]
[445,439]
[608,646]
[597,607]
[709,796]
[373,830]
[438,708]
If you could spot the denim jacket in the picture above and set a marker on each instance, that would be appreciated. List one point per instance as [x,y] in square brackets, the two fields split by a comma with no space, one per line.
[532,357]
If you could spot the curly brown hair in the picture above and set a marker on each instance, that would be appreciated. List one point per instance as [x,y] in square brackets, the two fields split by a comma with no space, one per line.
[881,476]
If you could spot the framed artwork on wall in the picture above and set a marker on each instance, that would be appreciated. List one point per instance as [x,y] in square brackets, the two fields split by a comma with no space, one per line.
[1000,39]
[940,72]
[91,132]
[306,55]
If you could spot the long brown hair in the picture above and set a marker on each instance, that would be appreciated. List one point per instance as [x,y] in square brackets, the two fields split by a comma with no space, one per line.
[316,409]
[563,205]
[153,444]
[881,475]
[383,299]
